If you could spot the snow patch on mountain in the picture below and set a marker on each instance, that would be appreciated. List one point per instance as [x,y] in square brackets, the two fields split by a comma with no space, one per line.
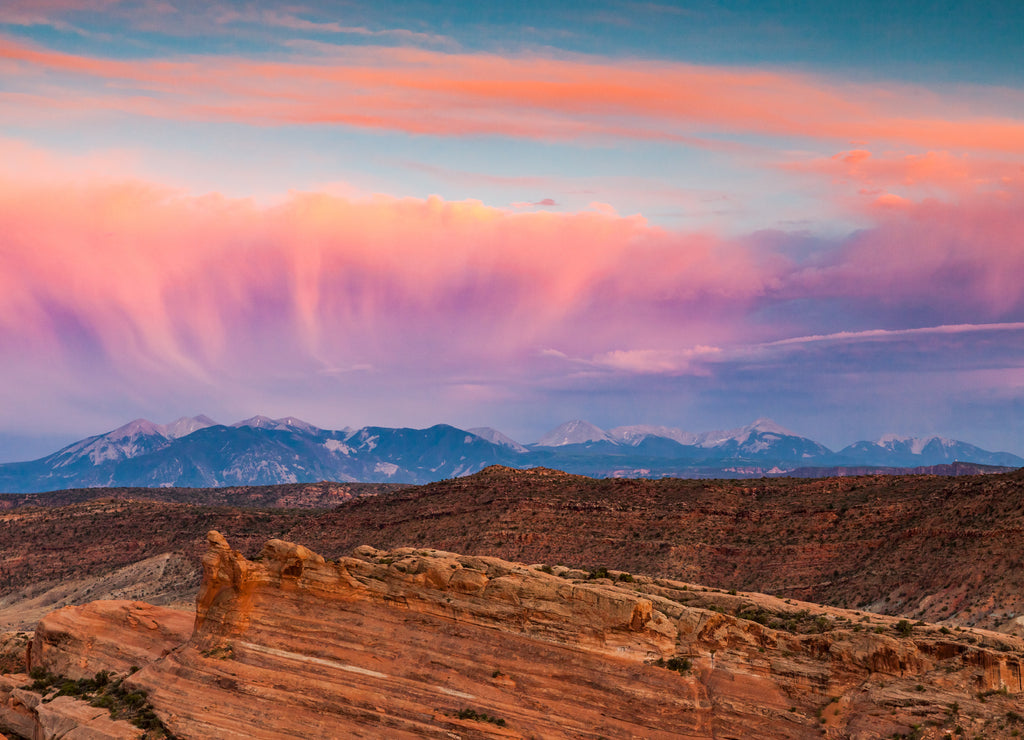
[186,425]
[634,434]
[574,432]
[915,445]
[286,424]
[495,437]
[334,445]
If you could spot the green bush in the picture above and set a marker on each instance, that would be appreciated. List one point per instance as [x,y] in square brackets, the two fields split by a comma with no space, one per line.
[479,717]
[678,664]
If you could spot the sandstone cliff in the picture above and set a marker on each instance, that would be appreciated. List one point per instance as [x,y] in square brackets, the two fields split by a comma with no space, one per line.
[421,643]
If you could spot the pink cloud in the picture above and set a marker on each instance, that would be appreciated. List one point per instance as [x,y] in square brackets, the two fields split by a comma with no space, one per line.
[147,279]
[428,92]
[140,285]
[952,258]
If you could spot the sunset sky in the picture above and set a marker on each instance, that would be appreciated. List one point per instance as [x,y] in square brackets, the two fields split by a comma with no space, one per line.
[513,214]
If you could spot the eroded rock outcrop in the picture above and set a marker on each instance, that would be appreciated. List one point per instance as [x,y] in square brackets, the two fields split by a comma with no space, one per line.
[79,641]
[30,715]
[401,642]
[422,643]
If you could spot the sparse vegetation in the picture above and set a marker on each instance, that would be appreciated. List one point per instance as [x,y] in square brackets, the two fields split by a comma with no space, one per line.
[479,717]
[104,691]
[677,663]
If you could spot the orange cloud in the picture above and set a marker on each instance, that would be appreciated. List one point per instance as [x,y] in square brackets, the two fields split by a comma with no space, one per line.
[933,171]
[429,92]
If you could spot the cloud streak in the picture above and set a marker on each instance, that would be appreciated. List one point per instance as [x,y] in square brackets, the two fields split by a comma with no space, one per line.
[872,335]
[456,94]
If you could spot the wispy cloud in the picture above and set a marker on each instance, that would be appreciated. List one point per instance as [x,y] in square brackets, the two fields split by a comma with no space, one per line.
[916,175]
[542,203]
[874,335]
[295,22]
[430,92]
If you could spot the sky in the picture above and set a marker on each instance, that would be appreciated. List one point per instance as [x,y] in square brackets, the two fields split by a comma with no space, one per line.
[404,213]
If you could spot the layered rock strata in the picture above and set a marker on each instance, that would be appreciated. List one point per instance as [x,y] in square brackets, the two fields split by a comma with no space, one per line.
[413,643]
[27,714]
[115,636]
[79,642]
[401,643]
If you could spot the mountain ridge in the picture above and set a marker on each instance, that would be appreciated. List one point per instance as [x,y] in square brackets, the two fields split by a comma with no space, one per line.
[198,452]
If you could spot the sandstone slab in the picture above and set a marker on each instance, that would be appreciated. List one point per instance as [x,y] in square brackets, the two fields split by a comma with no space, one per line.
[79,641]
[413,643]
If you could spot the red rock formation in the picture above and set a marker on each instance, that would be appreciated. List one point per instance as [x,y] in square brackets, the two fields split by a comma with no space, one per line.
[30,715]
[79,641]
[397,643]
[415,643]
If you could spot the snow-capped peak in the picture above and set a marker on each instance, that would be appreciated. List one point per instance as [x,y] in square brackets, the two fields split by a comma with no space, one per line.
[290,422]
[742,434]
[767,426]
[131,440]
[136,428]
[256,422]
[495,437]
[915,444]
[634,434]
[186,425]
[286,423]
[573,433]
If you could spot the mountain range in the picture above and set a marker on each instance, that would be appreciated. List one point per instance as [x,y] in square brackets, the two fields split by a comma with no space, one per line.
[198,452]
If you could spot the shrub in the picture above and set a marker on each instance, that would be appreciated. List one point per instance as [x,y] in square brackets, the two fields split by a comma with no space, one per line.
[69,688]
[676,663]
[479,717]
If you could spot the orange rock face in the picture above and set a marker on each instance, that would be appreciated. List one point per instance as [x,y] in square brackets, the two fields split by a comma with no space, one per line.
[422,643]
[29,715]
[413,643]
[79,641]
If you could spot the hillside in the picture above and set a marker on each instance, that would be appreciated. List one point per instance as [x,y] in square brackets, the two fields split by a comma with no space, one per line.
[922,546]
[323,494]
[936,548]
